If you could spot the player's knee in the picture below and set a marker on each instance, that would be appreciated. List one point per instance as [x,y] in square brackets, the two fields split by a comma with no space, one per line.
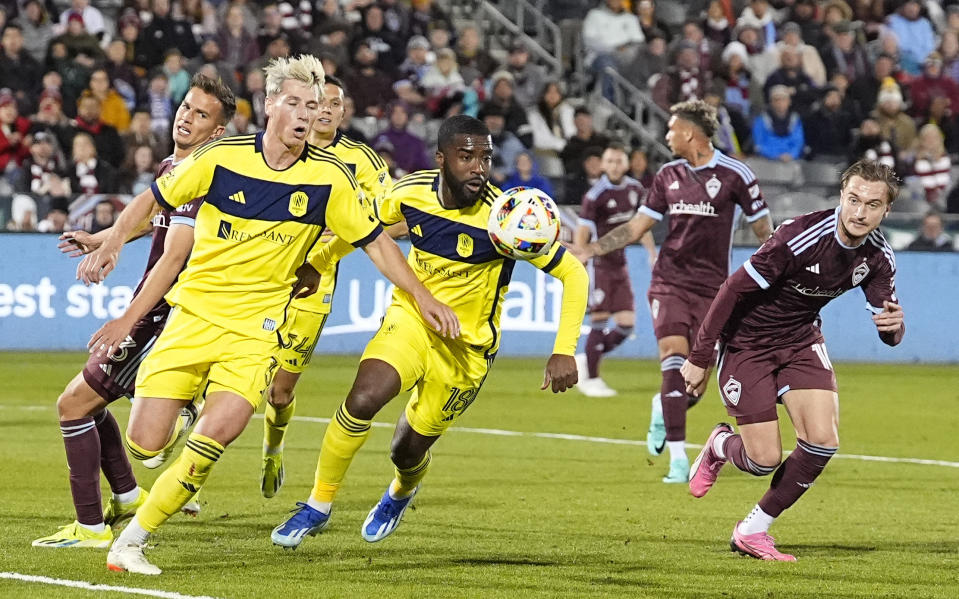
[766,459]
[140,448]
[824,438]
[280,395]
[364,402]
[73,404]
[402,457]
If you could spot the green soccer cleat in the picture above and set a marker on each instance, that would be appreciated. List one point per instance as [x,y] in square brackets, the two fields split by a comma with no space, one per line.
[75,536]
[271,476]
[117,512]
[656,436]
[678,471]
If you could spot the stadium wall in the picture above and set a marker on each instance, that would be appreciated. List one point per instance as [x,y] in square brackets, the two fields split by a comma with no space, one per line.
[44,307]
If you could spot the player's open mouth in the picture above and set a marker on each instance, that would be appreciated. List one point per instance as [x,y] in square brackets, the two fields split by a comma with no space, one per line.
[183,130]
[299,132]
[473,185]
[324,121]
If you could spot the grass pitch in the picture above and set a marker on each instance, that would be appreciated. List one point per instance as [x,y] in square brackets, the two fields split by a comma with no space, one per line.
[521,515]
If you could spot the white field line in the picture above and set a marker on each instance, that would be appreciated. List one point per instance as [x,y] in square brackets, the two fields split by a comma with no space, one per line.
[588,439]
[99,588]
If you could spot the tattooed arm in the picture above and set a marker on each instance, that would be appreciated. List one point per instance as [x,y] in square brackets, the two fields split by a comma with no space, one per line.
[621,236]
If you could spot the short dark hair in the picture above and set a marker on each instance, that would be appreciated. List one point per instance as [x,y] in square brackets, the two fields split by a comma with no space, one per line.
[698,113]
[618,146]
[459,124]
[872,170]
[220,91]
[582,110]
[334,80]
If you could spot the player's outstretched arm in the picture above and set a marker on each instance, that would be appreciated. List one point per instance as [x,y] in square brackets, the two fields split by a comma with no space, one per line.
[99,263]
[890,323]
[623,235]
[561,367]
[79,243]
[762,228]
[649,243]
[176,249]
[390,261]
[335,249]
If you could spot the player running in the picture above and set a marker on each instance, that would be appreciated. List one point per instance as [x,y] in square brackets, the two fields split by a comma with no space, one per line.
[306,316]
[704,193]
[766,317]
[446,211]
[90,433]
[612,201]
[268,197]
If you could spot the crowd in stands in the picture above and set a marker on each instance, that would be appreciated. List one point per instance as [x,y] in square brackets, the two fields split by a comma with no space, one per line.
[87,97]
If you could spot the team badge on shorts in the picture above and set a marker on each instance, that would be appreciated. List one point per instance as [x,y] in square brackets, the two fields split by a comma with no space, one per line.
[298,203]
[464,245]
[597,296]
[654,308]
[713,186]
[859,274]
[732,390]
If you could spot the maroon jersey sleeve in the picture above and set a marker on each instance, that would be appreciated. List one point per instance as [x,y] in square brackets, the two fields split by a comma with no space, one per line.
[655,205]
[186,214]
[880,287]
[587,212]
[750,197]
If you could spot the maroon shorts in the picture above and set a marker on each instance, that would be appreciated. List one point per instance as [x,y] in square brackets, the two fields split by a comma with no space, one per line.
[676,311]
[751,381]
[611,291]
[114,377]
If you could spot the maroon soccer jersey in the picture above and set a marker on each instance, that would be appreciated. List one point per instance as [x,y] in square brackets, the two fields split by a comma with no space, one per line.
[704,205]
[605,207]
[785,284]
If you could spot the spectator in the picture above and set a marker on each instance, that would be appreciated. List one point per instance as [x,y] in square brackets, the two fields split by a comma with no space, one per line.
[733,134]
[871,145]
[759,15]
[740,91]
[89,119]
[279,47]
[331,40]
[18,69]
[254,91]
[639,167]
[370,87]
[37,29]
[57,219]
[584,176]
[528,77]
[932,84]
[474,61]
[552,123]
[50,116]
[506,146]
[409,86]
[778,132]
[803,13]
[396,15]
[943,117]
[707,50]
[829,128]
[77,39]
[802,90]
[648,63]
[104,215]
[502,85]
[237,44]
[611,36]
[178,79]
[138,170]
[845,54]
[23,214]
[716,26]
[811,62]
[865,90]
[90,16]
[200,15]
[896,126]
[88,174]
[138,49]
[747,34]
[576,147]
[645,11]
[409,150]
[442,81]
[210,54]
[931,236]
[121,74]
[241,124]
[140,133]
[14,145]
[525,174]
[166,32]
[387,43]
[43,171]
[915,35]
[949,50]
[933,165]
[425,15]
[685,80]
[114,110]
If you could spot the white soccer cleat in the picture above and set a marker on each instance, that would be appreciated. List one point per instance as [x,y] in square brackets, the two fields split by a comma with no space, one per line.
[595,387]
[192,508]
[130,558]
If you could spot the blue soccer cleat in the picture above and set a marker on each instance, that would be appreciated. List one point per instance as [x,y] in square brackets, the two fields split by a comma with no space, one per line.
[678,471]
[656,436]
[304,521]
[385,516]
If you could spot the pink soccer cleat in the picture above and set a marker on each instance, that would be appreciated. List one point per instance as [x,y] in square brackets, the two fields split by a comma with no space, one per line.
[706,468]
[759,545]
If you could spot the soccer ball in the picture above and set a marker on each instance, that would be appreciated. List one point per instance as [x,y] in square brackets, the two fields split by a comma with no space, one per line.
[523,223]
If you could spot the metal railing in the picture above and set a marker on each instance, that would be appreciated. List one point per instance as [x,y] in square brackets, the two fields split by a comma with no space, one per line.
[506,27]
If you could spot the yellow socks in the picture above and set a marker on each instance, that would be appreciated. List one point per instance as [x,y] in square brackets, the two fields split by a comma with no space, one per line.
[344,437]
[407,480]
[274,426]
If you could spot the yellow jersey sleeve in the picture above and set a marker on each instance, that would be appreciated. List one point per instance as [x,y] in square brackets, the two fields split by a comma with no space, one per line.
[190,179]
[389,209]
[348,212]
[374,180]
[561,264]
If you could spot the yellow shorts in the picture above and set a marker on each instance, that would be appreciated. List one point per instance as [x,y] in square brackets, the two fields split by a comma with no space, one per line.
[444,374]
[191,350]
[300,334]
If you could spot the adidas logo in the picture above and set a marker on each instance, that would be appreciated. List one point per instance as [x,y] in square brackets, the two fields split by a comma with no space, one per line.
[674,185]
[814,268]
[417,230]
[107,368]
[238,197]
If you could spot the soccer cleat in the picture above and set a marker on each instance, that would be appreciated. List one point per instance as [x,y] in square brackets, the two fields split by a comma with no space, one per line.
[595,387]
[130,558]
[385,516]
[678,471]
[117,512]
[75,536]
[192,508]
[656,435]
[271,476]
[188,414]
[304,521]
[759,545]
[707,464]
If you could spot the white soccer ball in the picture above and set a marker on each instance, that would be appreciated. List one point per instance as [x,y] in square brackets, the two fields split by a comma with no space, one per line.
[523,223]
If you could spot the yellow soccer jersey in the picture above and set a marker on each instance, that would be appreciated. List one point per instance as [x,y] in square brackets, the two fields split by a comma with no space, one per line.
[454,258]
[256,227]
[373,177]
